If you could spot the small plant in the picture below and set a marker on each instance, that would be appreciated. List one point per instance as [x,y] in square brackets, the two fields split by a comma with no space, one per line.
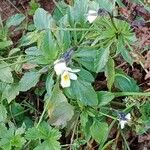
[48,84]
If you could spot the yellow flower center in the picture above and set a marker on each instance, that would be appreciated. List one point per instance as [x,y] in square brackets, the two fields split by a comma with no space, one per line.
[66,77]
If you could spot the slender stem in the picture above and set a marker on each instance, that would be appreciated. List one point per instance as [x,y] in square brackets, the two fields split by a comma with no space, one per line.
[74,129]
[85,34]
[107,115]
[16,63]
[14,6]
[112,21]
[125,141]
[12,57]
[72,29]
[119,94]
[43,113]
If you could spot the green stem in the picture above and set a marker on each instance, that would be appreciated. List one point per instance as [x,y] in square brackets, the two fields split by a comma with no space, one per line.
[72,29]
[42,116]
[107,115]
[119,94]
[125,141]
[16,63]
[10,57]
[82,38]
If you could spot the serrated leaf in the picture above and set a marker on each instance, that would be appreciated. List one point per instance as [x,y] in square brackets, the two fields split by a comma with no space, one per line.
[15,20]
[80,6]
[123,50]
[10,92]
[5,73]
[32,134]
[86,75]
[110,73]
[49,145]
[42,19]
[105,97]
[86,58]
[101,59]
[48,46]
[13,51]
[3,113]
[60,115]
[49,84]
[125,83]
[99,131]
[44,132]
[29,80]
[5,44]
[58,108]
[82,91]
[109,5]
[17,141]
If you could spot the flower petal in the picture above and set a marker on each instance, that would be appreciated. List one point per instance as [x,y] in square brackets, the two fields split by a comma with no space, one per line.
[72,70]
[72,76]
[65,79]
[91,18]
[122,123]
[60,67]
[128,116]
[92,12]
[92,15]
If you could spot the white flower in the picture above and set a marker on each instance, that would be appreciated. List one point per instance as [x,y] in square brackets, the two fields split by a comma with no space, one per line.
[124,119]
[67,76]
[59,67]
[92,15]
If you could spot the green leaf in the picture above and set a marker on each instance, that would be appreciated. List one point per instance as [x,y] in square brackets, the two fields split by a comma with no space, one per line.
[5,44]
[3,113]
[10,92]
[101,59]
[86,58]
[15,20]
[33,6]
[58,108]
[35,56]
[123,50]
[29,38]
[99,131]
[125,83]
[49,145]
[3,130]
[109,5]
[60,115]
[42,19]
[63,37]
[84,118]
[110,73]
[29,80]
[86,75]
[16,110]
[47,133]
[32,134]
[105,97]
[5,73]
[13,51]
[126,55]
[48,46]
[83,91]
[17,141]
[49,84]
[80,6]
[2,86]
